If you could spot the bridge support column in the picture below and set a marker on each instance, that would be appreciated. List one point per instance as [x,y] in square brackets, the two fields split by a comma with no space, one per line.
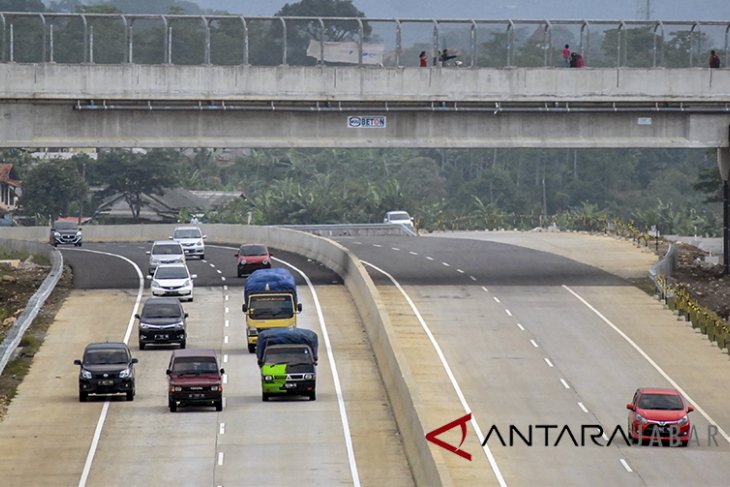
[723,160]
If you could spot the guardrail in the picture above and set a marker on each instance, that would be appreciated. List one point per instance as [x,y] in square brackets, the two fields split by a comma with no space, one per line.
[231,39]
[35,303]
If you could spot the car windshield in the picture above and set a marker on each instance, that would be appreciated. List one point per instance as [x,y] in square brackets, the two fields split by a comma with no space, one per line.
[171,273]
[167,249]
[195,365]
[64,225]
[288,356]
[101,357]
[252,250]
[263,307]
[399,215]
[668,402]
[187,233]
[161,310]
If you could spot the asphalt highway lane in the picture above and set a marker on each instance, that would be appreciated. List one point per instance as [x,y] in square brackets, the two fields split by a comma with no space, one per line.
[526,351]
[282,442]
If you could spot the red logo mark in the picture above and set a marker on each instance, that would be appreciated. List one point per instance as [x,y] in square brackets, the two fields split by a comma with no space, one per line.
[432,436]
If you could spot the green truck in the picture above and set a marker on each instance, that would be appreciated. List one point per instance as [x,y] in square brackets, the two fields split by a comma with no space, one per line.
[287,358]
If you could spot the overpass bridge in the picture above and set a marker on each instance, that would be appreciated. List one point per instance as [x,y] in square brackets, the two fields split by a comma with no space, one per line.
[48,100]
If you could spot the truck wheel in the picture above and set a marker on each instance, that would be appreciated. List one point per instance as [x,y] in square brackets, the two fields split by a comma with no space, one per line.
[313,396]
[219,405]
[83,396]
[172,405]
[264,397]
[251,348]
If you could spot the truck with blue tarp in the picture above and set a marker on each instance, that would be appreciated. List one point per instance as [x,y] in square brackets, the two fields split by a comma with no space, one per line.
[269,301]
[287,358]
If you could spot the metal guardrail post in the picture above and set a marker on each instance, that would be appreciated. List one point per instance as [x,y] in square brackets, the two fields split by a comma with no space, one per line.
[86,38]
[125,26]
[44,38]
[621,28]
[658,25]
[12,43]
[436,41]
[360,35]
[2,42]
[321,41]
[398,42]
[50,43]
[547,43]
[206,26]
[585,28]
[283,41]
[510,41]
[166,34]
[91,44]
[473,42]
[244,24]
[691,51]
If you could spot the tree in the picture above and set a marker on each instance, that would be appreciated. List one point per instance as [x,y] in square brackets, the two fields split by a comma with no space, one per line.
[301,32]
[133,175]
[50,188]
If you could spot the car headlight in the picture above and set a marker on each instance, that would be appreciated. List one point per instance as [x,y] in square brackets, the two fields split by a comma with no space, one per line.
[179,325]
[78,234]
[175,389]
[199,242]
[125,373]
[56,234]
[308,376]
[268,378]
[683,420]
[641,419]
[144,326]
[215,388]
[242,261]
[155,283]
[85,374]
[186,283]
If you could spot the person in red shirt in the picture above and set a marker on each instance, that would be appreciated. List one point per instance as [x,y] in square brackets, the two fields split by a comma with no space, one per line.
[566,56]
[714,60]
[422,61]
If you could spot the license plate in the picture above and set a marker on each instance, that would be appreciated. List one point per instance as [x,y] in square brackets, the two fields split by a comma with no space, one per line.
[289,386]
[162,337]
[106,382]
[196,396]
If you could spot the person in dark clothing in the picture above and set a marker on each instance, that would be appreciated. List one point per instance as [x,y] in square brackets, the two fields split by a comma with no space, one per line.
[714,60]
[573,62]
[445,56]
[422,61]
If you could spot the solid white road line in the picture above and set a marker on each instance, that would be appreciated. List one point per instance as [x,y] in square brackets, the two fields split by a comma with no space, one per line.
[127,335]
[653,364]
[335,375]
[449,373]
[626,465]
[585,409]
[547,361]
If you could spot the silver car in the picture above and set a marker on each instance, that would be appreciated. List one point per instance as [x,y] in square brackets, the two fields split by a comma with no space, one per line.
[165,252]
[191,239]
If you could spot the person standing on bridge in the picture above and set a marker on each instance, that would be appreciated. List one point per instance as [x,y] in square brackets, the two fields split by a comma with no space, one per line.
[566,56]
[422,61]
[714,60]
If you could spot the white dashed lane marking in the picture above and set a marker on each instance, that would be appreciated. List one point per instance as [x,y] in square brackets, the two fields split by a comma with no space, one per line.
[222,429]
[485,289]
[429,258]
[534,343]
[497,299]
[519,325]
[446,264]
[565,384]
[472,278]
[509,313]
[378,246]
[220,458]
[626,465]
[547,361]
[225,339]
[585,409]
[225,358]
[459,271]
[413,253]
[395,248]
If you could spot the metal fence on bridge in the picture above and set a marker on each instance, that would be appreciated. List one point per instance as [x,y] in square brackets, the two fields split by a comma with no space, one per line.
[380,42]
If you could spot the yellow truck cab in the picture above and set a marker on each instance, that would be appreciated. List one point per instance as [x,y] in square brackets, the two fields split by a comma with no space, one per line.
[269,301]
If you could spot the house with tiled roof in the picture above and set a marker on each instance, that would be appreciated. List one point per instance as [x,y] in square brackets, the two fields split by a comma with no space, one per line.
[10,188]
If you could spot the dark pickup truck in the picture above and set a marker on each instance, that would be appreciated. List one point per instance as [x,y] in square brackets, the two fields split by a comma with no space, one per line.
[194,379]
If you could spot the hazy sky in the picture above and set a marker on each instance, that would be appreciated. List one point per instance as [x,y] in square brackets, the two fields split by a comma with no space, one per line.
[499,9]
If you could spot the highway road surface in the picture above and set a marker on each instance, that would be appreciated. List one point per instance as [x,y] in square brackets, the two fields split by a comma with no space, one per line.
[518,335]
[343,438]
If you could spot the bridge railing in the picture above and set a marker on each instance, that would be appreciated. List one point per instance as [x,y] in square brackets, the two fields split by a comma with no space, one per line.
[239,40]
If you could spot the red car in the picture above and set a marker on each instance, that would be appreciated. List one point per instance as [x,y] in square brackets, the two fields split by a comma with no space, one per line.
[662,412]
[252,257]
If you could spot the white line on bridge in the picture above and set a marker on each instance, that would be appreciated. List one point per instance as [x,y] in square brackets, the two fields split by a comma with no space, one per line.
[335,376]
[449,373]
[651,362]
[105,409]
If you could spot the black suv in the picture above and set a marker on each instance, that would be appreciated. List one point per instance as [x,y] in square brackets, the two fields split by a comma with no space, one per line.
[162,322]
[65,232]
[107,368]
